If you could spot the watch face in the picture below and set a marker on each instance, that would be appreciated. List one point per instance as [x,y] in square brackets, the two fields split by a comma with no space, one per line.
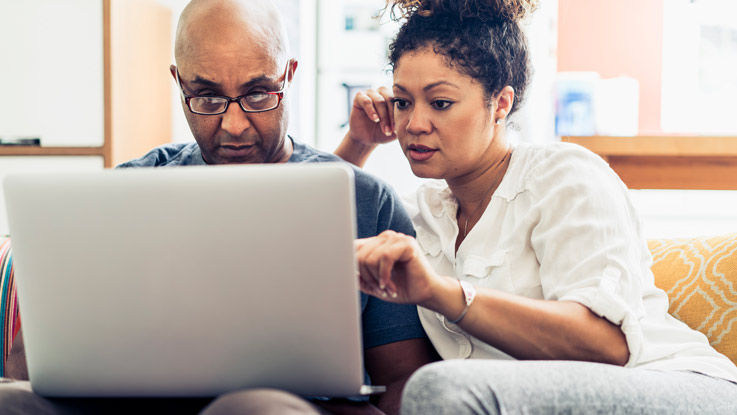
[469,292]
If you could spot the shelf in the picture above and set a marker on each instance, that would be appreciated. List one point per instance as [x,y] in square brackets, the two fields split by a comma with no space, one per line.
[659,145]
[50,151]
[668,162]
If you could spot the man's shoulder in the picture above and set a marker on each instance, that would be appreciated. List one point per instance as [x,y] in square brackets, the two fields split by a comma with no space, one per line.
[172,154]
[304,153]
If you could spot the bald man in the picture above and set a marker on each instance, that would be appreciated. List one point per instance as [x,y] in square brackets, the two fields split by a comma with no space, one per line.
[233,70]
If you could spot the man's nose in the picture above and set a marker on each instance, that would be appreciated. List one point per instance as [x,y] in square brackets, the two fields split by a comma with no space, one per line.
[235,120]
[419,121]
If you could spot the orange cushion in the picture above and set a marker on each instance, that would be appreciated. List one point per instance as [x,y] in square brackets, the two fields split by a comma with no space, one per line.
[700,277]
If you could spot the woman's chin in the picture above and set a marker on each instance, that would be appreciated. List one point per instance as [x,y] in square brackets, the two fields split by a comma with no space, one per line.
[424,171]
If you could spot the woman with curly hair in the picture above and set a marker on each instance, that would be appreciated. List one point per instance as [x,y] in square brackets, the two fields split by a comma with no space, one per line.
[529,267]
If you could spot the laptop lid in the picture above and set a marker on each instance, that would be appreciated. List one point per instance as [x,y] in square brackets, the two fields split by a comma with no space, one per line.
[188,281]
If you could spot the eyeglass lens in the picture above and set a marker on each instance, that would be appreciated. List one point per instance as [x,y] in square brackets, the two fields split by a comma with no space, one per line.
[257,101]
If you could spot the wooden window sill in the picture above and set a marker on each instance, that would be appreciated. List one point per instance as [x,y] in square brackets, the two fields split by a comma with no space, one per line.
[668,162]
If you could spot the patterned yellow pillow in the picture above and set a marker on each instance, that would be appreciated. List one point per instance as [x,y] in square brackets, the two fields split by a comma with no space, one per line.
[700,277]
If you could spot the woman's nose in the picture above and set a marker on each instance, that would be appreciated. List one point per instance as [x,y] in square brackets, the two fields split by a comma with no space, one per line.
[419,122]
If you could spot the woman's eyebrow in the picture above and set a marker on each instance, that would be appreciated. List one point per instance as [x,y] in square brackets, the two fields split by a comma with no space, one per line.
[430,86]
[440,83]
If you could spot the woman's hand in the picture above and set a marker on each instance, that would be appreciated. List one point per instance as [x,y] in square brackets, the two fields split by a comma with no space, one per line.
[371,123]
[392,267]
[372,117]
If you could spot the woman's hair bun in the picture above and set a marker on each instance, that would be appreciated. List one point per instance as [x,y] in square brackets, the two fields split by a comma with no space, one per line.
[485,10]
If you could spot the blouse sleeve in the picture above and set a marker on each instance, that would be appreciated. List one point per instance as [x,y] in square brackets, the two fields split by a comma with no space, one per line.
[588,242]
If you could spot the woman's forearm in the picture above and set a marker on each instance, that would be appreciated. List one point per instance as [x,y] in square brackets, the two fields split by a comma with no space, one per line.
[533,329]
[354,152]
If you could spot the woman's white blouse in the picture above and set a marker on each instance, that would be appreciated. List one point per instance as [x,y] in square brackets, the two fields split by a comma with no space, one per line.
[560,226]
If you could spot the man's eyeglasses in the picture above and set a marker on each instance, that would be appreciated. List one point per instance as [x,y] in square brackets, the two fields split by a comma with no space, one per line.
[258,101]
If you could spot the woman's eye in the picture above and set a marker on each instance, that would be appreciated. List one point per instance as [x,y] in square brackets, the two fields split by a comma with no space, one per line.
[441,104]
[400,103]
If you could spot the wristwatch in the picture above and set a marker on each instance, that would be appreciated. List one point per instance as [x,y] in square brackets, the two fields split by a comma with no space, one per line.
[469,294]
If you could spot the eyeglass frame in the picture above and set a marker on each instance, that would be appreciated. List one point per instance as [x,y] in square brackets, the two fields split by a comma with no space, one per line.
[279,94]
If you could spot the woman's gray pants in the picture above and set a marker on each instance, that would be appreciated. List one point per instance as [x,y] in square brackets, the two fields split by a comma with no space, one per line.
[461,387]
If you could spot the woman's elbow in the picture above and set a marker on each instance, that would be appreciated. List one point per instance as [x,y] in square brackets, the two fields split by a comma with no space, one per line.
[618,353]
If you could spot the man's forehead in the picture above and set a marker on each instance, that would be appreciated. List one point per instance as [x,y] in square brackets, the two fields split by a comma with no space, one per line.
[229,54]
[231,58]
[228,43]
[229,73]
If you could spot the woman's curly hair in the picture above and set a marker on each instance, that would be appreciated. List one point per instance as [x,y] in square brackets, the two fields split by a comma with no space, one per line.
[481,38]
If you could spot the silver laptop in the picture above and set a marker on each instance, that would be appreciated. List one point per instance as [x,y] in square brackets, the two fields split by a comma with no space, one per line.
[188,281]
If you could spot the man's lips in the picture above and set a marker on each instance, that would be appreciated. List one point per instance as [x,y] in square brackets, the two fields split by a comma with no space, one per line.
[236,149]
[418,152]
[236,146]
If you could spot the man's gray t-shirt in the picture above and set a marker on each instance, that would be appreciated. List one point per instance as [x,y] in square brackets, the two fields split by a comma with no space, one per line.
[377,209]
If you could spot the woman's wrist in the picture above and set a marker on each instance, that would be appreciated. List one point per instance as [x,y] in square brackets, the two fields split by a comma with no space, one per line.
[446,297]
[354,150]
[359,146]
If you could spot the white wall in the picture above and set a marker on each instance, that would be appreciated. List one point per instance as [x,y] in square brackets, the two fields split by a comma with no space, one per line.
[51,76]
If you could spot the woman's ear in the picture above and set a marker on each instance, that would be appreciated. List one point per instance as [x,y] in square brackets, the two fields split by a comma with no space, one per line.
[504,102]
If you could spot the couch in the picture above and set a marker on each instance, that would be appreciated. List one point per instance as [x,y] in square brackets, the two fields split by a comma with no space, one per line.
[699,275]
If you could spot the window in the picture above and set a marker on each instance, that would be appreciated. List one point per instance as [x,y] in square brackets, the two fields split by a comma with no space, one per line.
[699,67]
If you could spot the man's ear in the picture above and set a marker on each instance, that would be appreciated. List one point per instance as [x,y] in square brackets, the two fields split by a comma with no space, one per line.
[504,102]
[173,70]
[293,63]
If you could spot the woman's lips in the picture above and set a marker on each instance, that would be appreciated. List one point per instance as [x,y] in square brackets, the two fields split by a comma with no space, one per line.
[420,152]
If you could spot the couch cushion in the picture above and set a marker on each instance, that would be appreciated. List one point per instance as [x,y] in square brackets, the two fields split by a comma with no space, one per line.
[700,277]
